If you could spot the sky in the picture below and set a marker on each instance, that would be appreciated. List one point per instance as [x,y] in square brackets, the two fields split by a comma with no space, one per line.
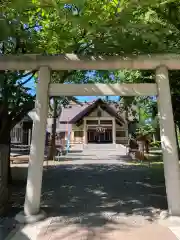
[31,85]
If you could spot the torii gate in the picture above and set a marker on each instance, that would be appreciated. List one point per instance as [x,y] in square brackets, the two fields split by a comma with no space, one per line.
[160,63]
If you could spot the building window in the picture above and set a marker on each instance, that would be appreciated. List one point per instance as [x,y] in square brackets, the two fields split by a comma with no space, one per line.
[78,134]
[92,122]
[104,122]
[121,134]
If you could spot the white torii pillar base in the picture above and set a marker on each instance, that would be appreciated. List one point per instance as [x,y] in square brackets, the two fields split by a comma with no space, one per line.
[168,142]
[21,217]
[169,221]
[32,212]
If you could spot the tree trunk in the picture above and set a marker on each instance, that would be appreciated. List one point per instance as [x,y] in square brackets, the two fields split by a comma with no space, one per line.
[5,171]
[176,130]
[9,162]
[147,146]
[4,186]
[52,147]
[157,134]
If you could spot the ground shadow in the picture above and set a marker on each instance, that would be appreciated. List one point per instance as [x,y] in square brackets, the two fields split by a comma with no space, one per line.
[114,182]
[96,195]
[94,189]
[89,187]
[155,156]
[9,227]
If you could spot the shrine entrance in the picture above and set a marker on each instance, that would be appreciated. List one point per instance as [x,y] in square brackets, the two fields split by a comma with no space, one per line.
[161,64]
[104,136]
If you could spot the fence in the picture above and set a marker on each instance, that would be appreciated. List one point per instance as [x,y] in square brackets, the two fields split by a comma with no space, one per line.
[17,134]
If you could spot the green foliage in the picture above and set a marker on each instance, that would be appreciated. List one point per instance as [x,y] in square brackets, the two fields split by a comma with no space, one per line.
[156,144]
[144,130]
[109,27]
[59,103]
[146,122]
[85,27]
[91,27]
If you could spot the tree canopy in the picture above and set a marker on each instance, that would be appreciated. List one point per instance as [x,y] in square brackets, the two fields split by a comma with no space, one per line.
[86,27]
[115,27]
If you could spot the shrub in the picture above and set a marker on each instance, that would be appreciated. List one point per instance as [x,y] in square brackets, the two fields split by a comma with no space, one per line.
[156,144]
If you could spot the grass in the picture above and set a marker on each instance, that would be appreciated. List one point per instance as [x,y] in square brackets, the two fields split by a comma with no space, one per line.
[152,164]
[155,170]
[154,159]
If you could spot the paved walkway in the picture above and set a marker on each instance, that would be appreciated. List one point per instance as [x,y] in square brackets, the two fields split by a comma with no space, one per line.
[59,231]
[99,200]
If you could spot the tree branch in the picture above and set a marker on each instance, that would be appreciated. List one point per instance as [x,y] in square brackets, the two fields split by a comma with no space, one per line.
[117,6]
[167,17]
[25,75]
[19,106]
[27,80]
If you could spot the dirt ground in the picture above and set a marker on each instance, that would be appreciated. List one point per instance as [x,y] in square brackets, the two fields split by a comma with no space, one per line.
[95,198]
[95,193]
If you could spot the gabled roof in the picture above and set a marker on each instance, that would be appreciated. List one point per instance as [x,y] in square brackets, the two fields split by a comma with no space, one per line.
[103,105]
[75,113]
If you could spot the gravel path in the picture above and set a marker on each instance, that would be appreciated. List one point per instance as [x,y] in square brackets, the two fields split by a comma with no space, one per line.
[97,187]
[97,194]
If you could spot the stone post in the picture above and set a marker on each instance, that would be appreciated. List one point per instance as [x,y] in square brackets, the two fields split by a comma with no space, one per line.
[168,141]
[114,130]
[34,179]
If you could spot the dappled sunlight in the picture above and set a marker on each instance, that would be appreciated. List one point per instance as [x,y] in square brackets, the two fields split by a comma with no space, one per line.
[30,188]
[94,201]
[97,189]
[71,61]
[65,229]
[160,75]
[168,138]
[166,144]
[99,193]
[36,114]
[100,89]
